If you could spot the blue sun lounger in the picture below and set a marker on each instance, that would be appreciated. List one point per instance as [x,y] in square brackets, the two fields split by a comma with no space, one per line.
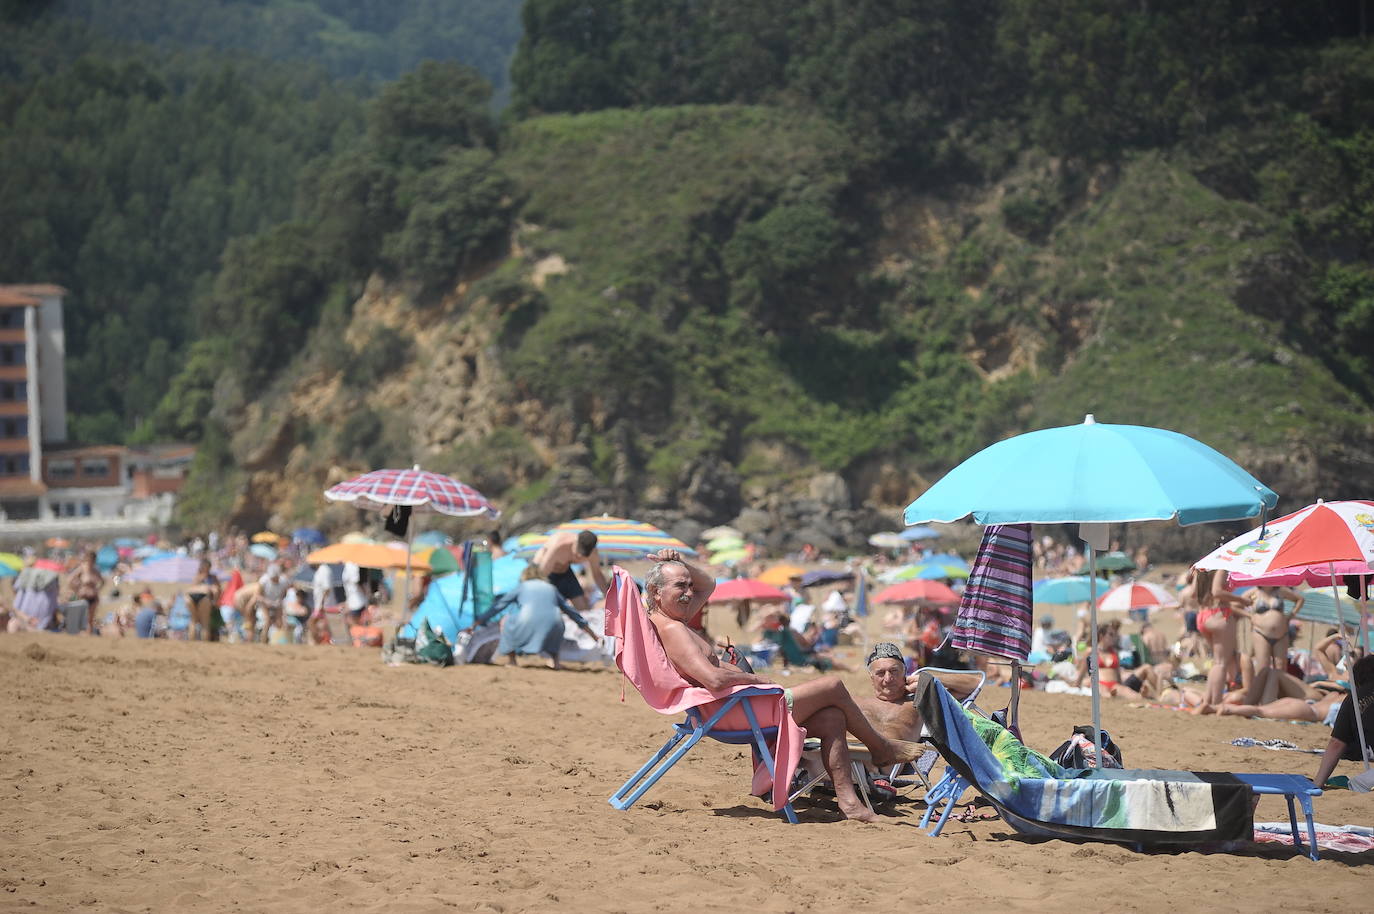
[1140,807]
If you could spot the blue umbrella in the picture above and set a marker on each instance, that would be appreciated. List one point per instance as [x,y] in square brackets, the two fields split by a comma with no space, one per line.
[919,533]
[263,551]
[7,571]
[1094,474]
[944,558]
[1067,590]
[308,535]
[433,538]
[107,558]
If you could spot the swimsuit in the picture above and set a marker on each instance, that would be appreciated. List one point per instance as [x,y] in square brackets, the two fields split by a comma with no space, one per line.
[1211,611]
[567,583]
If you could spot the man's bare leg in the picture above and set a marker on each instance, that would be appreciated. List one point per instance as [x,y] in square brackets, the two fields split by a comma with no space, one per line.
[809,698]
[510,659]
[828,725]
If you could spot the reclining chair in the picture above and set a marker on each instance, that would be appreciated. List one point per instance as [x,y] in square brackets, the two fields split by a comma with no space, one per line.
[1037,797]
[756,716]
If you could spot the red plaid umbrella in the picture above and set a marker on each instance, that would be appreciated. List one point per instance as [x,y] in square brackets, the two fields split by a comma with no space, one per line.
[420,490]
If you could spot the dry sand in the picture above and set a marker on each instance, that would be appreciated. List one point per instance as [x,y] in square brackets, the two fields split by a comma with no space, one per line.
[171,776]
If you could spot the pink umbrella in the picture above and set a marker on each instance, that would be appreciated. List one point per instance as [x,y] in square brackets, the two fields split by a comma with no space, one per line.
[1311,575]
[916,591]
[1136,595]
[746,589]
[420,491]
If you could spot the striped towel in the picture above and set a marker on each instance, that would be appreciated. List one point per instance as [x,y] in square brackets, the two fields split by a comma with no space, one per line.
[995,610]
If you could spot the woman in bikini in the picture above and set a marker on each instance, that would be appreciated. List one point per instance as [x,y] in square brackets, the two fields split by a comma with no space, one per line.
[1217,621]
[1108,661]
[1270,625]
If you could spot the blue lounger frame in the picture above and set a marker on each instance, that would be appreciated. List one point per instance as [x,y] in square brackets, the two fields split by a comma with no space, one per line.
[690,732]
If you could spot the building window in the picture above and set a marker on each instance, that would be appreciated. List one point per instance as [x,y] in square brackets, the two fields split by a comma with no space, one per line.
[11,353]
[14,465]
[14,427]
[95,466]
[61,469]
[85,509]
[12,391]
[11,317]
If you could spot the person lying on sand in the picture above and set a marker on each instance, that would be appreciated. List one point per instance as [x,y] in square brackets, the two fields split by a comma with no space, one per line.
[675,590]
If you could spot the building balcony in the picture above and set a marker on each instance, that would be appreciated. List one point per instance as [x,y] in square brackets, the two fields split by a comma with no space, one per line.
[14,373]
[14,408]
[13,335]
[14,445]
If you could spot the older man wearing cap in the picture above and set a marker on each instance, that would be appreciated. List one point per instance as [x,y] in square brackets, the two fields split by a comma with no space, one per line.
[890,710]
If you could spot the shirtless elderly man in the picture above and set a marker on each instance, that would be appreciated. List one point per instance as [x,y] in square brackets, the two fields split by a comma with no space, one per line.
[891,709]
[675,590]
[557,556]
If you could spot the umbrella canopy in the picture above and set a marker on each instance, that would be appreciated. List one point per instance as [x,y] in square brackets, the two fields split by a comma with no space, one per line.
[721,543]
[916,592]
[442,559]
[825,576]
[1067,590]
[7,571]
[728,556]
[616,537]
[365,555]
[263,551]
[49,565]
[1115,561]
[309,536]
[420,490]
[266,536]
[888,540]
[711,533]
[175,569]
[10,560]
[1094,473]
[1136,595]
[1311,575]
[746,589]
[931,571]
[779,575]
[433,538]
[1319,534]
[920,532]
[357,536]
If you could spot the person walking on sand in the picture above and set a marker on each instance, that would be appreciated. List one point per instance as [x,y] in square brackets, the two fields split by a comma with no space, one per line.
[557,556]
[675,590]
[85,583]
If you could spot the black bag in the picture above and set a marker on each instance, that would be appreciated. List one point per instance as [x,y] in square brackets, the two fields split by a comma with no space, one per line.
[1078,750]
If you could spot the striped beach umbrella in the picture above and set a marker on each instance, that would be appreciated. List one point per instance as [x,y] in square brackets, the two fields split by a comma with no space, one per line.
[616,537]
[1136,595]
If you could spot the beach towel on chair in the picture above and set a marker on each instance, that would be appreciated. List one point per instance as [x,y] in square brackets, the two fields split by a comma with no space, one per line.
[640,656]
[1037,796]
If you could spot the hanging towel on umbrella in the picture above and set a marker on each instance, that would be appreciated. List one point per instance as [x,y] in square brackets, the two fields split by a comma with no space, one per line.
[995,609]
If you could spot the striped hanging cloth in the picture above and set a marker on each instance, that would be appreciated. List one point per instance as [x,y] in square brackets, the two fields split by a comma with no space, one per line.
[995,609]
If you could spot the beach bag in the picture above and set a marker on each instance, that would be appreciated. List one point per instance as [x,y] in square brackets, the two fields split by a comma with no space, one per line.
[1078,750]
[432,647]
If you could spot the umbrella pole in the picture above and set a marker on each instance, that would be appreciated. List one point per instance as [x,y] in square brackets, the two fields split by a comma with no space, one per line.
[1094,657]
[410,537]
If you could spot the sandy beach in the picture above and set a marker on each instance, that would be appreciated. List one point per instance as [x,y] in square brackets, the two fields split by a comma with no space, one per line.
[159,776]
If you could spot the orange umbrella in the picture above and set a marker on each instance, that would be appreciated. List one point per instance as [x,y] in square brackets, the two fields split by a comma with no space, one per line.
[746,589]
[366,555]
[267,536]
[57,542]
[779,575]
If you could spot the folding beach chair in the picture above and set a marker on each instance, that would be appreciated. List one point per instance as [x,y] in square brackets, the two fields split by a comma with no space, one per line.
[756,716]
[920,768]
[1132,806]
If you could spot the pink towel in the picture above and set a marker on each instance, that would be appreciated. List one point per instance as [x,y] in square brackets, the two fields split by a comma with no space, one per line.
[641,657]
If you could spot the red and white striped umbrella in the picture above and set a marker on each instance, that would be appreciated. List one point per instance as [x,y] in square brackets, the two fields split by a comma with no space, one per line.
[1136,595]
[1324,533]
[420,490]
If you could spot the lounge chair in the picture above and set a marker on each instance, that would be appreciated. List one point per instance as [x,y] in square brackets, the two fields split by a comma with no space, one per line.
[756,716]
[793,654]
[1037,797]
